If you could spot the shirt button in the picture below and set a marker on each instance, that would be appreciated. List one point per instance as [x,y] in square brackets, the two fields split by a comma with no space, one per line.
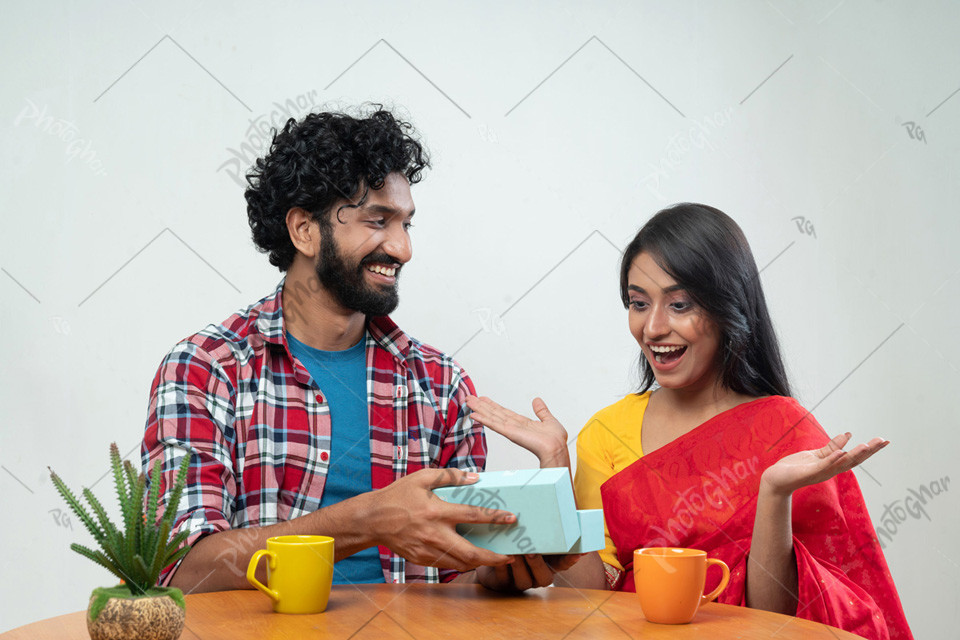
[324,456]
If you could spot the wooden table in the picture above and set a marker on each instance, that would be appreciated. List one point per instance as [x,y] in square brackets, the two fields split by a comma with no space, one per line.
[422,612]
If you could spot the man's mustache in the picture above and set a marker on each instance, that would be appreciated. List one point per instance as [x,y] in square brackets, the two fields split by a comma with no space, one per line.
[381,258]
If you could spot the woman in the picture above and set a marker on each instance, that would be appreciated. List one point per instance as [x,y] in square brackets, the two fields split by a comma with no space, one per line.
[718,457]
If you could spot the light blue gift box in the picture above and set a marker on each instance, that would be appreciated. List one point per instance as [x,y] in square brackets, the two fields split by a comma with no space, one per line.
[591,531]
[548,521]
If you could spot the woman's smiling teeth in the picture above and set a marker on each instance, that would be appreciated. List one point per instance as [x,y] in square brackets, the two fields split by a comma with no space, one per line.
[384,271]
[668,352]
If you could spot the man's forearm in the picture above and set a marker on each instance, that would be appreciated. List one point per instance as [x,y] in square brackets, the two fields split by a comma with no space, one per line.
[405,516]
[219,561]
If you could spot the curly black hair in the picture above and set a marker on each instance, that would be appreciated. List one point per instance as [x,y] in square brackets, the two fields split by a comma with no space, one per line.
[324,158]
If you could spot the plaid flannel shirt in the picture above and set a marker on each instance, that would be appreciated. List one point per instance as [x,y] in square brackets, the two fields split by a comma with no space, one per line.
[259,428]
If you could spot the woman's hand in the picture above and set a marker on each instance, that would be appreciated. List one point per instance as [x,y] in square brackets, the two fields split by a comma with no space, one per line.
[805,468]
[772,579]
[529,571]
[545,438]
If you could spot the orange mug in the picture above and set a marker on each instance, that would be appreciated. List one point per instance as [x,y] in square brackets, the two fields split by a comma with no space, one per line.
[670,582]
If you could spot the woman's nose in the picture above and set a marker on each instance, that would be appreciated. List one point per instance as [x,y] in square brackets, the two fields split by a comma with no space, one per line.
[657,324]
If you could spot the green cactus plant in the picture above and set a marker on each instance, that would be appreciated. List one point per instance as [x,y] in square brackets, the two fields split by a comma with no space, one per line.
[139,551]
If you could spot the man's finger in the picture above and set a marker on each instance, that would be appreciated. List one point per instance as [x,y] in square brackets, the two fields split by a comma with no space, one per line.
[445,477]
[465,513]
[468,556]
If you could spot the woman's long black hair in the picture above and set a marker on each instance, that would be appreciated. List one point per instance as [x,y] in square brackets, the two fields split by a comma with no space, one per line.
[705,251]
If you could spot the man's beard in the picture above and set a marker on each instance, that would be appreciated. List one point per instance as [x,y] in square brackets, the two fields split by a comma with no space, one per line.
[348,284]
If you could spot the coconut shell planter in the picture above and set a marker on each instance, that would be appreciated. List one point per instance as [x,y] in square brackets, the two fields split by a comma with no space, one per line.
[136,553]
[114,614]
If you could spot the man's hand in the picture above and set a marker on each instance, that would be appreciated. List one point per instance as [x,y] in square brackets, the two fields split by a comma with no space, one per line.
[408,518]
[528,571]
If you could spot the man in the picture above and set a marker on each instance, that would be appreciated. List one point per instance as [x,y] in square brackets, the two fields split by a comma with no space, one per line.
[311,412]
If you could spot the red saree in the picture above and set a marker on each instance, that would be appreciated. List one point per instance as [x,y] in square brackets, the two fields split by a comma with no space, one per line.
[700,491]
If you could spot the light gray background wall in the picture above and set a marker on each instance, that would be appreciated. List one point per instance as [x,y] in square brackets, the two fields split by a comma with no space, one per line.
[827,129]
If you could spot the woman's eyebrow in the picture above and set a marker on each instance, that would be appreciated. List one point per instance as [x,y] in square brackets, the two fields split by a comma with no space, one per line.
[670,289]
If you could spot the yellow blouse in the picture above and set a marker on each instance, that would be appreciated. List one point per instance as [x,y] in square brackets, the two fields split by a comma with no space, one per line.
[608,444]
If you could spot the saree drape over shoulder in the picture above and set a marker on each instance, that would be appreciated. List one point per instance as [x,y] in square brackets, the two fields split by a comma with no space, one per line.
[700,491]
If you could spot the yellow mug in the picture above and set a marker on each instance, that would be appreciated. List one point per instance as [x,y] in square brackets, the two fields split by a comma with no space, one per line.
[299,572]
[670,582]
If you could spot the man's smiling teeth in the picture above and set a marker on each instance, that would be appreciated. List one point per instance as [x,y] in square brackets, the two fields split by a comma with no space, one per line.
[384,271]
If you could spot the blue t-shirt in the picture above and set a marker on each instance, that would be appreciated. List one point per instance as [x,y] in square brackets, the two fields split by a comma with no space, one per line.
[342,378]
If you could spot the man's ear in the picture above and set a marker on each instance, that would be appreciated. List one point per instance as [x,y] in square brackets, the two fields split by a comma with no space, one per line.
[304,232]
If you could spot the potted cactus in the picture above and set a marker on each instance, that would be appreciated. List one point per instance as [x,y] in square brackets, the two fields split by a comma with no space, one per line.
[136,553]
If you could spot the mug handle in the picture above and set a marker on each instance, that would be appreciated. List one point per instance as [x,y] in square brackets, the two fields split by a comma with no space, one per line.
[710,597]
[272,563]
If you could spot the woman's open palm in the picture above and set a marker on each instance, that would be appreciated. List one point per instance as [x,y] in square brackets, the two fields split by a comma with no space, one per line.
[545,437]
[805,468]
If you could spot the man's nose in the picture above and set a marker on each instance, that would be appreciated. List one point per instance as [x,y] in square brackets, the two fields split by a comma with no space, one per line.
[398,244]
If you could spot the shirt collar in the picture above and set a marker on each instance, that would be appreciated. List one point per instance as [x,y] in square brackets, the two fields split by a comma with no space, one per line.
[382,329]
